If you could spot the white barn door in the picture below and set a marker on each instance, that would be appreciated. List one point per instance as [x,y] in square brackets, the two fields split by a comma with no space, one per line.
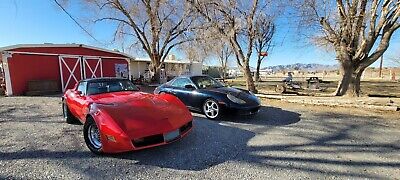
[92,67]
[70,71]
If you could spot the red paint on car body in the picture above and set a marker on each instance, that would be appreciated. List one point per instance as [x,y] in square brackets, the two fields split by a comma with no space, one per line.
[130,115]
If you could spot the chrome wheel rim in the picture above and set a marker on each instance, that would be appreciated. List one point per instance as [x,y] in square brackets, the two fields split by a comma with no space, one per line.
[211,109]
[94,136]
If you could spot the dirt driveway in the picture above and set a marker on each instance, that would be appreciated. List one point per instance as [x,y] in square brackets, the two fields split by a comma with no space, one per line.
[284,141]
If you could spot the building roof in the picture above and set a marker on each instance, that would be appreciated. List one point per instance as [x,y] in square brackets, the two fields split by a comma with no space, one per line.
[166,61]
[9,48]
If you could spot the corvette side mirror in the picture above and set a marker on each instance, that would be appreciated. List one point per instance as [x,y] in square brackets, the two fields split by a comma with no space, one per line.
[189,86]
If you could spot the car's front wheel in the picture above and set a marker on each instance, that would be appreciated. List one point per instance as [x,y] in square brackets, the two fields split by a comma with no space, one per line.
[91,133]
[211,109]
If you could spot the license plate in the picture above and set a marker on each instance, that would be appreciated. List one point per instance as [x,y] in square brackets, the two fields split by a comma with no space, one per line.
[171,135]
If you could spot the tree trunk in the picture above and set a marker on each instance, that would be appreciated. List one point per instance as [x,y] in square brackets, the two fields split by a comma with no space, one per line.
[155,68]
[223,74]
[350,82]
[156,76]
[257,75]
[355,85]
[249,80]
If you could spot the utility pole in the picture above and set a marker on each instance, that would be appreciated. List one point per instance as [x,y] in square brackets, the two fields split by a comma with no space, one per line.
[380,67]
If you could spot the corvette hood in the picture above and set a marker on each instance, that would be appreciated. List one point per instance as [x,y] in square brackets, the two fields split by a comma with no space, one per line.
[121,98]
[142,114]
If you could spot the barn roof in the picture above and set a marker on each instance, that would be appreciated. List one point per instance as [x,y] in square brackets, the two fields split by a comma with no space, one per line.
[48,45]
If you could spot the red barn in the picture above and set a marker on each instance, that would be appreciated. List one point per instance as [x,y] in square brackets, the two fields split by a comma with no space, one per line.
[61,64]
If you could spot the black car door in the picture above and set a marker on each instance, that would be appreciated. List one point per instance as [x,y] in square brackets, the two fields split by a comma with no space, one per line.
[179,87]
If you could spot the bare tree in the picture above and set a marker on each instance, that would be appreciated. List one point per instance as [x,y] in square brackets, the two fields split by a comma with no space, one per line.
[210,46]
[395,60]
[265,31]
[195,52]
[223,52]
[157,26]
[235,21]
[358,30]
[199,49]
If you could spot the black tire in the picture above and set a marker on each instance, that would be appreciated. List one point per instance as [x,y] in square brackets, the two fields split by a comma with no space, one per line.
[69,118]
[90,123]
[209,114]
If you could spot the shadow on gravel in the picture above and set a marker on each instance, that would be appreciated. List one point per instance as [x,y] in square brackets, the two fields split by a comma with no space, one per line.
[269,116]
[45,154]
[29,114]
[345,137]
[329,144]
[211,143]
[207,145]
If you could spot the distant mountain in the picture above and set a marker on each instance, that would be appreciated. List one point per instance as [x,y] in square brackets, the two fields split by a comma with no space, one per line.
[302,67]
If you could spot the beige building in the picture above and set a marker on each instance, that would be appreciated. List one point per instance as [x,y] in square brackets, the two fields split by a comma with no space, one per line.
[172,67]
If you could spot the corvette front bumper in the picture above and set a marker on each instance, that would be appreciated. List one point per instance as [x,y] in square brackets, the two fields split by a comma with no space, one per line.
[122,144]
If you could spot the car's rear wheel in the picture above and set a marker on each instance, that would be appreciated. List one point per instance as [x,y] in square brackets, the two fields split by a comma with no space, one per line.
[211,109]
[69,118]
[280,89]
[91,133]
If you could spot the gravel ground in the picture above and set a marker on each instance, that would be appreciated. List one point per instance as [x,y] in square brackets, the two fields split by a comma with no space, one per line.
[294,142]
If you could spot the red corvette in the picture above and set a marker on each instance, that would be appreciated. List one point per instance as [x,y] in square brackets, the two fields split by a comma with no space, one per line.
[117,117]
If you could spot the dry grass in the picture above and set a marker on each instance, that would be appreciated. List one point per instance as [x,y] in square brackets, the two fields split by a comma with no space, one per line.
[369,88]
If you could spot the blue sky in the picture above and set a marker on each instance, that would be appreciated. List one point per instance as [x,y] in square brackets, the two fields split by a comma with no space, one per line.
[42,21]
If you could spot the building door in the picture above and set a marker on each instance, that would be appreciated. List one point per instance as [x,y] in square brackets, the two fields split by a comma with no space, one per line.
[92,67]
[70,71]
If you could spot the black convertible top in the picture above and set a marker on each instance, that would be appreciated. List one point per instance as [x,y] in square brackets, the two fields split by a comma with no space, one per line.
[90,80]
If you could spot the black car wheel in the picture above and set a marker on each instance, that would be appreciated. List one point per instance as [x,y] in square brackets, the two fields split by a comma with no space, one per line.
[91,133]
[211,109]
[69,118]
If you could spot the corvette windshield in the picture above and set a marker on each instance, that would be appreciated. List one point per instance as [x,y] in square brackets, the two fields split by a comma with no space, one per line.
[205,82]
[107,86]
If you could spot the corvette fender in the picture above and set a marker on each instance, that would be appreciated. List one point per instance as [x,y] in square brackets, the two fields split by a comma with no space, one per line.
[113,138]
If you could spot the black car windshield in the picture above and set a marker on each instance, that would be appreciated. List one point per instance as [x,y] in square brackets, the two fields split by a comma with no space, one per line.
[205,82]
[106,86]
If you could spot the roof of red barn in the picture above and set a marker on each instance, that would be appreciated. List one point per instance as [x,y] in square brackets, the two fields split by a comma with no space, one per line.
[50,45]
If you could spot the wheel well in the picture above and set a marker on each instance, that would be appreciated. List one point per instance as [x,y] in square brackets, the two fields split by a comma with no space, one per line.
[88,117]
[207,98]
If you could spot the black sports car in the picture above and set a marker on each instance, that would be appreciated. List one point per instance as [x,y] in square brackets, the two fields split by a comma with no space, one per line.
[209,96]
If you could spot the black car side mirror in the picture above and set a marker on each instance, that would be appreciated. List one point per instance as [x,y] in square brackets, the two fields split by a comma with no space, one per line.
[79,93]
[189,86]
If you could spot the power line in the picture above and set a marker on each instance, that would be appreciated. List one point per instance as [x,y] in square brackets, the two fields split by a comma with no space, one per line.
[87,32]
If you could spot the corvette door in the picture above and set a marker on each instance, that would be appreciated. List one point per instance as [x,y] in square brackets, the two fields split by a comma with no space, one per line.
[81,101]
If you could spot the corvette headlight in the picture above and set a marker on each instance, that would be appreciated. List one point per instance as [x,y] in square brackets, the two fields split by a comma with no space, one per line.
[235,99]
